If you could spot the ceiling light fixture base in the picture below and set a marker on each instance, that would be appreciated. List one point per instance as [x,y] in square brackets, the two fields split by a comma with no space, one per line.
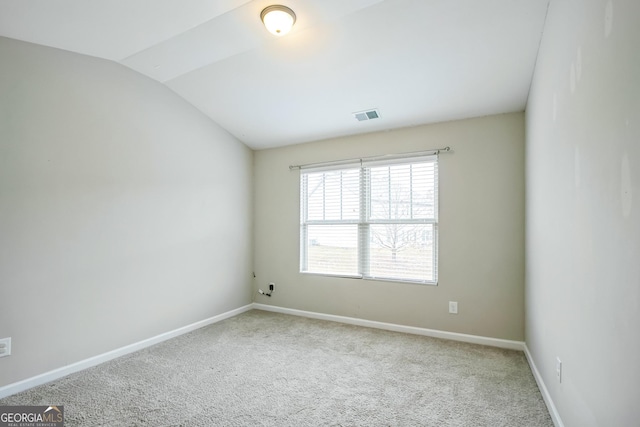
[278,19]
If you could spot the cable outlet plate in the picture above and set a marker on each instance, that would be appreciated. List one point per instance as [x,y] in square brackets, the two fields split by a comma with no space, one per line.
[5,347]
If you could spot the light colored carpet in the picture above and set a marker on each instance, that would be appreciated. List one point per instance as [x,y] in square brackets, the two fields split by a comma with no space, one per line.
[267,369]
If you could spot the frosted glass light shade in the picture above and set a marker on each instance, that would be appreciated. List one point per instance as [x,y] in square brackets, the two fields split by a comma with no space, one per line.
[278,19]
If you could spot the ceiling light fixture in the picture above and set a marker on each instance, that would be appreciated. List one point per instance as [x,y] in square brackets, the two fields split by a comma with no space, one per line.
[278,19]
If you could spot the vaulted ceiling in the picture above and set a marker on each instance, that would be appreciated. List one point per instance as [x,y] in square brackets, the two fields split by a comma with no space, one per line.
[416,61]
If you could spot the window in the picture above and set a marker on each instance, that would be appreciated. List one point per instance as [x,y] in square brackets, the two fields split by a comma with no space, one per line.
[376,220]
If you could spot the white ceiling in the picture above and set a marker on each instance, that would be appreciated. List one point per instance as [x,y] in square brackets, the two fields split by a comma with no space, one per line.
[416,61]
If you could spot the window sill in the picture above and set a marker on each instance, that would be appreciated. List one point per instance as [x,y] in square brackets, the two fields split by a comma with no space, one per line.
[376,279]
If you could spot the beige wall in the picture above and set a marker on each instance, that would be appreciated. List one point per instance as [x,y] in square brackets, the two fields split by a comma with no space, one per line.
[481,231]
[583,215]
[124,212]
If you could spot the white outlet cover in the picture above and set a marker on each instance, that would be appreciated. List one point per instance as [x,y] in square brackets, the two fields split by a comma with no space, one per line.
[559,369]
[5,347]
[453,307]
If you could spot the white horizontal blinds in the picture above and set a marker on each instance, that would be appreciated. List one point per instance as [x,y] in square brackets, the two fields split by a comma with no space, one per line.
[329,226]
[376,220]
[402,221]
[334,195]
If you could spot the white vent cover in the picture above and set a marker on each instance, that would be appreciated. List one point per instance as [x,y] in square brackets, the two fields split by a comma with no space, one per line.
[361,116]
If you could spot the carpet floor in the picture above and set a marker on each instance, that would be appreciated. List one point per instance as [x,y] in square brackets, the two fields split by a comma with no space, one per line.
[267,369]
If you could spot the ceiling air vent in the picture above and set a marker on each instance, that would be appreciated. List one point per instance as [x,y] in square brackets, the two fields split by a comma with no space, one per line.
[361,116]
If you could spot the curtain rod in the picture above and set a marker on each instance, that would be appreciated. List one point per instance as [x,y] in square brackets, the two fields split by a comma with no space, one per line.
[371,158]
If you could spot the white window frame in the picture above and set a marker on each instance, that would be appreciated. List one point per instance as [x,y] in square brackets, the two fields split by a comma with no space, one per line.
[364,222]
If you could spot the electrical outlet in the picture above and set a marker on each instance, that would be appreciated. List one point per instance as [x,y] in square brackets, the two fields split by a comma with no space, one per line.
[271,286]
[5,347]
[559,369]
[453,307]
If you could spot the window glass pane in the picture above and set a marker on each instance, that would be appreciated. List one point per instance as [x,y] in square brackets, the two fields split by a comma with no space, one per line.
[332,249]
[393,242]
[333,195]
[423,190]
[315,196]
[394,190]
[379,179]
[402,251]
[350,194]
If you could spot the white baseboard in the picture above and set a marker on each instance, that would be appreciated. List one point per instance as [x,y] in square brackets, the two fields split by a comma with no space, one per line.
[46,377]
[14,388]
[475,339]
[555,416]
